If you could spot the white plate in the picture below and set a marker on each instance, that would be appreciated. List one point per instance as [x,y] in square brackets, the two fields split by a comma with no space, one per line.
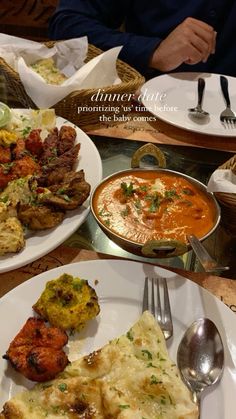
[120,288]
[41,243]
[171,95]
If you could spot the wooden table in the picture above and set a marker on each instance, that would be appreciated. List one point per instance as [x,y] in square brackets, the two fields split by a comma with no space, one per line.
[157,132]
[160,132]
[223,288]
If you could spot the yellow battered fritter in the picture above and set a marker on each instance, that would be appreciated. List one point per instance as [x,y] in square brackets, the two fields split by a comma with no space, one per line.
[68,303]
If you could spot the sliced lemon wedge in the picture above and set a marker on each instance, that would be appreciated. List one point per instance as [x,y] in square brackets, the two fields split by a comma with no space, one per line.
[44,118]
[5,114]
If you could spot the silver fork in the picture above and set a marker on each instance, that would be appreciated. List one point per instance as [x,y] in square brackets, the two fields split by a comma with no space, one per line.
[161,314]
[227,116]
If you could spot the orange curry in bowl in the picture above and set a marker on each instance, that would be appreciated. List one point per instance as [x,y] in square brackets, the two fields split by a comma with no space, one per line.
[144,205]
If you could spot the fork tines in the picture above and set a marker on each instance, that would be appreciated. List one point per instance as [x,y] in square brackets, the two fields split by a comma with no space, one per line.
[160,304]
[228,123]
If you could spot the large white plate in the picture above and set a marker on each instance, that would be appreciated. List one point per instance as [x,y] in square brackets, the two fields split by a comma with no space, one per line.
[120,288]
[171,95]
[39,244]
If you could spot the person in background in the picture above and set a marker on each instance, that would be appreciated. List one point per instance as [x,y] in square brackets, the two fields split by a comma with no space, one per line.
[159,36]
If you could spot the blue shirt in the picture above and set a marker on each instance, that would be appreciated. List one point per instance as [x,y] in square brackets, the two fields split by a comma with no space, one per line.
[147,23]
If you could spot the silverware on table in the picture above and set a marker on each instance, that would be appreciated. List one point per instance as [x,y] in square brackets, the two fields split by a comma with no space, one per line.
[198,112]
[208,263]
[200,357]
[161,311]
[227,116]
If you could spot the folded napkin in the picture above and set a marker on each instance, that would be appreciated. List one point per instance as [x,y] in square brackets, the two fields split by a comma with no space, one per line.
[222,180]
[69,57]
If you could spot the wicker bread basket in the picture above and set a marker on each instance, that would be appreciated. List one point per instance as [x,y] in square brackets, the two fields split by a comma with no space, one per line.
[227,201]
[68,107]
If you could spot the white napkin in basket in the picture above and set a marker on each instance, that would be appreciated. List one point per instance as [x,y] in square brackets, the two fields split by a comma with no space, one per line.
[222,180]
[72,52]
[69,56]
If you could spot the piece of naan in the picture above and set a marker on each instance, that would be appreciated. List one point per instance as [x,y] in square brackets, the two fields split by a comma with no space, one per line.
[132,377]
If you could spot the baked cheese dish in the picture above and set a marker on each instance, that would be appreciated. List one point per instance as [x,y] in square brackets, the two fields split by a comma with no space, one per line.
[132,377]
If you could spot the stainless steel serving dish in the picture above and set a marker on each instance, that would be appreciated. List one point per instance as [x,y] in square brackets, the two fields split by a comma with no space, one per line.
[154,248]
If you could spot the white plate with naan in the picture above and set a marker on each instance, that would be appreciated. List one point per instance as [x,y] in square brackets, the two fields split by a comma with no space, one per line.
[119,286]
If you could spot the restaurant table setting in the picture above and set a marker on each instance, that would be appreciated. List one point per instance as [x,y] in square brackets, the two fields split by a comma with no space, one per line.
[120,288]
[169,97]
[202,302]
[165,118]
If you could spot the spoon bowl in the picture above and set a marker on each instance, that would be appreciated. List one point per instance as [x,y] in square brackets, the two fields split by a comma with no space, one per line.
[198,112]
[200,357]
[208,263]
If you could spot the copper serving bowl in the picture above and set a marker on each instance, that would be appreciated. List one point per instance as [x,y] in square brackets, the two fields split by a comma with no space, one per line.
[153,248]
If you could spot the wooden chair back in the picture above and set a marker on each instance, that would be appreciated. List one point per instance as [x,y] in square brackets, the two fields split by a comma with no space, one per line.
[26,18]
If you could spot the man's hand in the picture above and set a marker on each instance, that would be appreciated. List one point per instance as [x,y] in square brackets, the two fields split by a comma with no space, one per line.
[190,42]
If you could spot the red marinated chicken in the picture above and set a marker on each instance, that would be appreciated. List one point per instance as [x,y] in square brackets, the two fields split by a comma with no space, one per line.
[5,154]
[36,352]
[33,143]
[24,167]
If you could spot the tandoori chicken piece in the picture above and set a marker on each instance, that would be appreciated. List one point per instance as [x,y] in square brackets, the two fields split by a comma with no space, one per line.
[69,194]
[36,352]
[66,141]
[39,217]
[33,143]
[50,147]
[19,150]
[5,154]
[52,178]
[5,177]
[24,167]
[66,160]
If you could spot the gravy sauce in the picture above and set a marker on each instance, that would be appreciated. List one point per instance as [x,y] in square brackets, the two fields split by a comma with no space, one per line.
[149,205]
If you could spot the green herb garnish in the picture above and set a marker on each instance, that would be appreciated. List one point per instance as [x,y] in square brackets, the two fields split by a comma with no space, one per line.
[154,380]
[137,204]
[62,387]
[188,191]
[4,199]
[127,189]
[125,212]
[146,352]
[129,335]
[171,194]
[66,197]
[155,203]
[26,131]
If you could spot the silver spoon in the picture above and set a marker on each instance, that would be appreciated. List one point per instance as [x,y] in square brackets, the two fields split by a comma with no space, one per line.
[198,112]
[200,357]
[208,263]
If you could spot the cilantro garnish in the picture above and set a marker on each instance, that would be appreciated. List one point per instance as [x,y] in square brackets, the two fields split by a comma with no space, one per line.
[146,352]
[127,189]
[62,387]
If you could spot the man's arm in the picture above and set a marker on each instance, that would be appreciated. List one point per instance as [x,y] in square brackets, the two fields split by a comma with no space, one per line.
[100,20]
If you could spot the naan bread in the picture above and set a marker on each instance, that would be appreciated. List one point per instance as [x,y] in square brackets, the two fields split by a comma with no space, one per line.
[132,377]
